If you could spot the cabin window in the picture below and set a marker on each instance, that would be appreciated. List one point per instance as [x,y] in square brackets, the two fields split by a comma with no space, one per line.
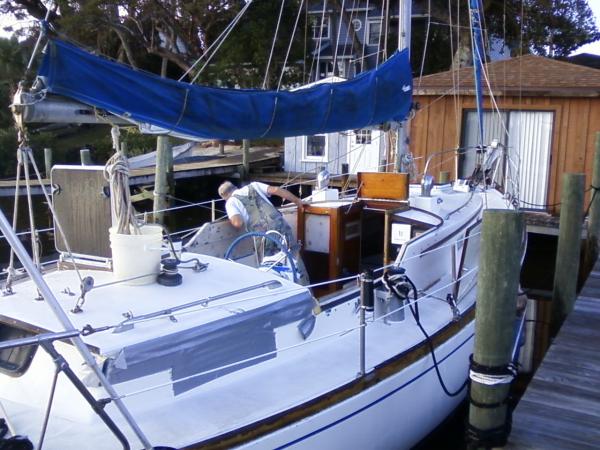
[362,137]
[373,32]
[315,148]
[315,25]
[15,361]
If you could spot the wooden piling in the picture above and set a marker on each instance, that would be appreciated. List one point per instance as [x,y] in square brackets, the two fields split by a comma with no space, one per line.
[444,177]
[85,156]
[568,250]
[48,161]
[246,158]
[161,180]
[498,282]
[221,147]
[124,148]
[345,175]
[593,229]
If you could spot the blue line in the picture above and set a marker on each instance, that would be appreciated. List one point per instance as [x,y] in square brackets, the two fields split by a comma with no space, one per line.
[358,411]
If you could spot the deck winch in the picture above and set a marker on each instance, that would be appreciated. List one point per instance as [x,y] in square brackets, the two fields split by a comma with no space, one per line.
[169,275]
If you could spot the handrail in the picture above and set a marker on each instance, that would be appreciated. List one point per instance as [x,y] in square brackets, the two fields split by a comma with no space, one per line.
[338,333]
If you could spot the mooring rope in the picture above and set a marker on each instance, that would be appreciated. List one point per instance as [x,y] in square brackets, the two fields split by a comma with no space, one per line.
[116,172]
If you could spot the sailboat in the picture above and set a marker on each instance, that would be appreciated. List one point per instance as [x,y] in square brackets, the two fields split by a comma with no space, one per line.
[155,346]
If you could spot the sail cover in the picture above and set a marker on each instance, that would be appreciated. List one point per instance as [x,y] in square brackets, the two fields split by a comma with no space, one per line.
[371,98]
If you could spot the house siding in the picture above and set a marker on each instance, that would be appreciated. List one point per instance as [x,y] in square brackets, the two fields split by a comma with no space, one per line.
[336,155]
[438,125]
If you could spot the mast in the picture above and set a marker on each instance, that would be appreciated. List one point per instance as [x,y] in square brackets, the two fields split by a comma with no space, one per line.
[478,58]
[404,24]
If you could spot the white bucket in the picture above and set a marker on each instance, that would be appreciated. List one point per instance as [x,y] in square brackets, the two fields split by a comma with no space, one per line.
[134,255]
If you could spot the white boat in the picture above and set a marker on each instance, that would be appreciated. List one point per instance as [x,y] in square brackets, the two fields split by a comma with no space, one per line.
[239,356]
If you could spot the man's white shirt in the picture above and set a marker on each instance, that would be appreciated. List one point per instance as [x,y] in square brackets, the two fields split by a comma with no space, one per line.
[234,206]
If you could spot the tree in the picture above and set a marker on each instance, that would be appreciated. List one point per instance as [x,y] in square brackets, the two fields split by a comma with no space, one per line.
[144,32]
[551,28]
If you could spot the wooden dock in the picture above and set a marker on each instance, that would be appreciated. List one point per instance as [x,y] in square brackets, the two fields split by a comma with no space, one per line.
[561,407]
[228,164]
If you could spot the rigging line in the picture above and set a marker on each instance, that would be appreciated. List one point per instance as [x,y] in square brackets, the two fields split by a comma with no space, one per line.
[48,408]
[218,39]
[57,222]
[420,255]
[11,264]
[23,233]
[264,84]
[289,49]
[337,39]
[350,48]
[365,37]
[305,42]
[332,161]
[386,28]
[34,246]
[453,73]
[426,42]
[209,58]
[379,39]
[318,50]
[432,295]
[338,333]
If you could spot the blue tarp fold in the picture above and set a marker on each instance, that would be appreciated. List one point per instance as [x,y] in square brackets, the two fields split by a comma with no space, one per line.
[371,98]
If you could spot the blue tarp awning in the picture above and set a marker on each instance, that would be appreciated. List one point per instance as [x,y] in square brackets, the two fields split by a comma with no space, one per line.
[371,98]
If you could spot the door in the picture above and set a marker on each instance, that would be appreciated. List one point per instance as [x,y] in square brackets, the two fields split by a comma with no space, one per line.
[363,150]
[527,136]
[529,145]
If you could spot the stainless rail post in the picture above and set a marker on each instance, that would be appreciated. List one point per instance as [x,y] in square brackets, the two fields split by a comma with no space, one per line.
[366,303]
[60,314]
[213,211]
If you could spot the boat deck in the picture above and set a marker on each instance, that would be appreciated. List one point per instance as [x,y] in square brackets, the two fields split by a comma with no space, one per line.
[561,407]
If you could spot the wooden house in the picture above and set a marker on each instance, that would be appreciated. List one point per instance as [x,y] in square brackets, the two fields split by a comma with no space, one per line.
[545,112]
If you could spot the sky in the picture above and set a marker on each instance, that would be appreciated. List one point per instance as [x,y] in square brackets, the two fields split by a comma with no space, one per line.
[594,47]
[590,48]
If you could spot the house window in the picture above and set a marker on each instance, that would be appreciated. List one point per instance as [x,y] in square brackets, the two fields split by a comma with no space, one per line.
[373,32]
[362,137]
[325,69]
[315,25]
[315,148]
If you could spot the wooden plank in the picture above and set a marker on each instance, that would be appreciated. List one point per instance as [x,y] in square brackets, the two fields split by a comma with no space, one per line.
[379,185]
[561,407]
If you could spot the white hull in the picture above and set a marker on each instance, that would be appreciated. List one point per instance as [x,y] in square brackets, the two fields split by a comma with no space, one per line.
[395,413]
[284,389]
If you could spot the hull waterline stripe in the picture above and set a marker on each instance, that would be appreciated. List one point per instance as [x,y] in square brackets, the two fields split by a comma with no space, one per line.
[374,402]
[391,367]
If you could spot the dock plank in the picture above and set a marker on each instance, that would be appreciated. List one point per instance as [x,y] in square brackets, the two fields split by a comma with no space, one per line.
[561,407]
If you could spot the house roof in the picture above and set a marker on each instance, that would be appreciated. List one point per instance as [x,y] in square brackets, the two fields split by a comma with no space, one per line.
[528,75]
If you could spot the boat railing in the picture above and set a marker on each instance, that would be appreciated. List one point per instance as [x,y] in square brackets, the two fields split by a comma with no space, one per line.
[335,334]
[45,341]
[456,151]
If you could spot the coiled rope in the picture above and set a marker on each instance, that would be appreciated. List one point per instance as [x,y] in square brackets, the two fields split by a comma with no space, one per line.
[116,172]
